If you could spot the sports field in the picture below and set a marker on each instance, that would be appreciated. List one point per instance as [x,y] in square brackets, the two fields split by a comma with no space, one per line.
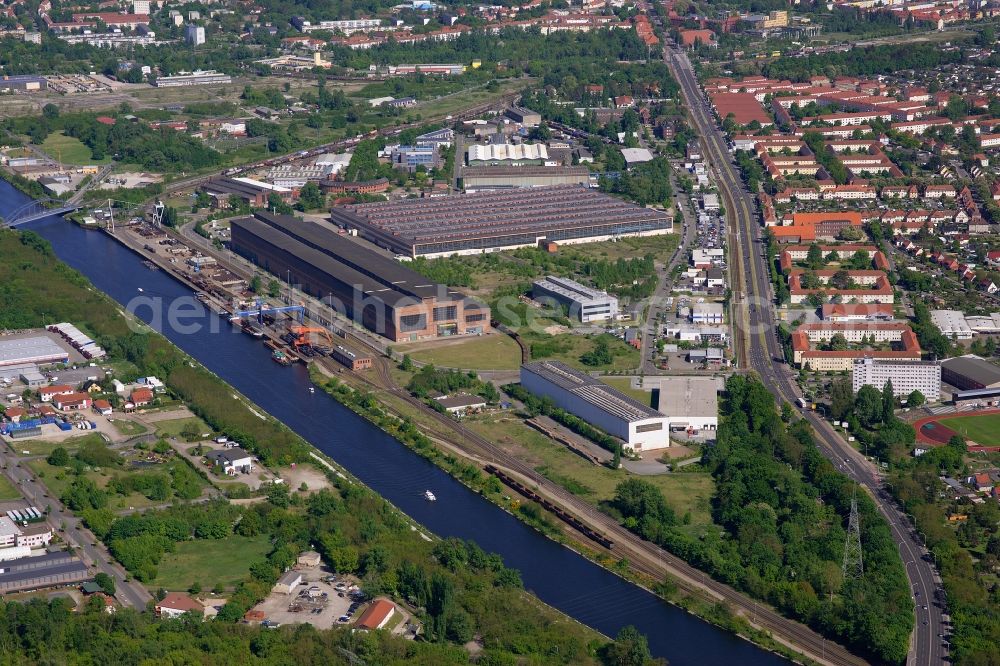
[983,429]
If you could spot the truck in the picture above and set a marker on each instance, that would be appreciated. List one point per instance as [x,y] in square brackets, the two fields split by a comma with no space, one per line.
[801,402]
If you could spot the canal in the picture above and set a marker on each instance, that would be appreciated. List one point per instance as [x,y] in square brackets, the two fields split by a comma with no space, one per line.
[556,574]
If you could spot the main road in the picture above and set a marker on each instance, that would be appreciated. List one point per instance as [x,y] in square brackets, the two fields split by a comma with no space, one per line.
[756,348]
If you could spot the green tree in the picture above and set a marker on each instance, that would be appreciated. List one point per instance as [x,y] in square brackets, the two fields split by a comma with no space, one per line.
[59,457]
[629,648]
[888,402]
[868,405]
[310,197]
[814,257]
[841,398]
[915,399]
[106,582]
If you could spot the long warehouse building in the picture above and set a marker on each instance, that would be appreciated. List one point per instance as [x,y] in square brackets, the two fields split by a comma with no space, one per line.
[370,288]
[486,222]
[639,426]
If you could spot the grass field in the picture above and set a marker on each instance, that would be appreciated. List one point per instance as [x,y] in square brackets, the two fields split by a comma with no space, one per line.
[568,348]
[487,352]
[7,490]
[210,562]
[984,429]
[58,480]
[173,427]
[69,150]
[130,428]
[684,491]
[37,447]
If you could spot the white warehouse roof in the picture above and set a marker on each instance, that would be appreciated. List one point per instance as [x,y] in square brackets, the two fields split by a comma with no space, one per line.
[508,152]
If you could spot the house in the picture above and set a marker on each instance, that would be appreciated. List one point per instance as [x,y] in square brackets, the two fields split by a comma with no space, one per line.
[377,615]
[46,393]
[141,397]
[288,582]
[176,604]
[980,482]
[72,401]
[102,407]
[15,414]
[233,460]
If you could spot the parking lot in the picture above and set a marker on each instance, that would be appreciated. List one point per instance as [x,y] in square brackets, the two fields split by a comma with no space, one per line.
[323,600]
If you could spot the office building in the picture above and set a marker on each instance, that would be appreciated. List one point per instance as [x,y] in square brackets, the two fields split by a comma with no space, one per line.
[690,403]
[582,302]
[485,222]
[640,427]
[409,158]
[906,377]
[366,286]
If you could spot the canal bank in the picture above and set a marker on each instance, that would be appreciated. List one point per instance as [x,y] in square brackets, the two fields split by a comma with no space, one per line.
[556,574]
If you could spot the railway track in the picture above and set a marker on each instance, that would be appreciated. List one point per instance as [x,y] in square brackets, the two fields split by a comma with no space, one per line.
[342,144]
[643,556]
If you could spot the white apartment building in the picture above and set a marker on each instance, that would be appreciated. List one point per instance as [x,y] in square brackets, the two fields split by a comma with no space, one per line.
[906,376]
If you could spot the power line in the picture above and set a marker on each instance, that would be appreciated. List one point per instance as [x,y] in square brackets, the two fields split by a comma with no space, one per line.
[854,567]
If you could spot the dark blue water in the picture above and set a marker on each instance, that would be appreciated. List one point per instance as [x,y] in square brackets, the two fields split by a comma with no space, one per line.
[556,574]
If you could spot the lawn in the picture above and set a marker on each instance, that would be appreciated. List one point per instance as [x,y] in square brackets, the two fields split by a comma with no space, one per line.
[129,428]
[486,352]
[37,447]
[173,427]
[58,480]
[69,150]
[7,490]
[210,562]
[568,348]
[685,491]
[983,429]
[628,248]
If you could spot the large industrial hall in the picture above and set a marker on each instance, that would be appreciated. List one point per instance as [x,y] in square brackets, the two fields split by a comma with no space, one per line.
[476,223]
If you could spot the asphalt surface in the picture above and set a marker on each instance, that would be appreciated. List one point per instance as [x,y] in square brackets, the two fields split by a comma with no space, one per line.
[757,348]
[657,304]
[72,531]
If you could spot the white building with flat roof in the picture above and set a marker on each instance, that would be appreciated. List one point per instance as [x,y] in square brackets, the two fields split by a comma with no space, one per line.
[690,403]
[707,313]
[906,377]
[639,426]
[952,324]
[584,303]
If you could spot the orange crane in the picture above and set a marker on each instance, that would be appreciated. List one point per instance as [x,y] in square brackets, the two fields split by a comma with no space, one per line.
[302,334]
